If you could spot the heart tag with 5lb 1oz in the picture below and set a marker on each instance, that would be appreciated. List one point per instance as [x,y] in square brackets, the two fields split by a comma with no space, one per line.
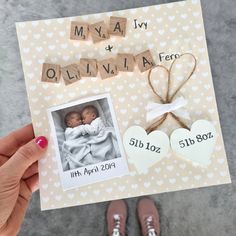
[195,145]
[145,150]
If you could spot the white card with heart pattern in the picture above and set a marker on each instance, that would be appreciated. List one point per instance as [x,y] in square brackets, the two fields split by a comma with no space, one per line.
[129,93]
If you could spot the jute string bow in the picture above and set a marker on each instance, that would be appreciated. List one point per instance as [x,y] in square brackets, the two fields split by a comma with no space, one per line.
[169,98]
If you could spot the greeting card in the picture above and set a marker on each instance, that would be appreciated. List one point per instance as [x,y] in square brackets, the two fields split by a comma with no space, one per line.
[127,101]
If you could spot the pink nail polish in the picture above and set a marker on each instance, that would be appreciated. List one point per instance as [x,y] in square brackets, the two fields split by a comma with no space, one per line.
[42,141]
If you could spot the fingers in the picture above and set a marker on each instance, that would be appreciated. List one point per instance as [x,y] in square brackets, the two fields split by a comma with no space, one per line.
[26,188]
[25,157]
[3,159]
[17,216]
[32,170]
[33,183]
[13,141]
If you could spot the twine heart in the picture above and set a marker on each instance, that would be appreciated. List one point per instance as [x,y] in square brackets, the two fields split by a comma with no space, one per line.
[169,97]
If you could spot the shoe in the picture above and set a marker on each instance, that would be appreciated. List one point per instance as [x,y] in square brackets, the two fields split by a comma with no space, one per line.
[116,218]
[148,217]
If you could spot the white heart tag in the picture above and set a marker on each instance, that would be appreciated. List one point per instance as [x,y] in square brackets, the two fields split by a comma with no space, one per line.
[196,145]
[145,150]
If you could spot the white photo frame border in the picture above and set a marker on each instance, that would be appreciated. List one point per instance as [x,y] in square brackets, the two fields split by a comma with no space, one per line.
[121,164]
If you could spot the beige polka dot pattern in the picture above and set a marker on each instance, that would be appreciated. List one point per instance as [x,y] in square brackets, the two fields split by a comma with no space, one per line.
[172,28]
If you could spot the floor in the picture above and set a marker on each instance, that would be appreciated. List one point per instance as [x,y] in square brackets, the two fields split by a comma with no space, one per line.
[206,211]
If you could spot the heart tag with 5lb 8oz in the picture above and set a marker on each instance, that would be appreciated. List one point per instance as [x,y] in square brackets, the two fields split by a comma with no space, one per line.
[195,145]
[145,150]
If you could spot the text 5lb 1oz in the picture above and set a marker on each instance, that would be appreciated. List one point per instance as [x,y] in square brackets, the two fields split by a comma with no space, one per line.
[197,139]
[148,146]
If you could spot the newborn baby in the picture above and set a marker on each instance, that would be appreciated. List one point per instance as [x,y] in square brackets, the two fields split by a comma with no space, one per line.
[88,122]
[73,121]
[88,140]
[92,123]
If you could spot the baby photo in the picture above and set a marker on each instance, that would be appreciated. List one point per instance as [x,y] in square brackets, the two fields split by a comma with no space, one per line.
[87,140]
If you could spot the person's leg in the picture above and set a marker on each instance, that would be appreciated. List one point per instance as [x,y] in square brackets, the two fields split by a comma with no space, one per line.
[148,217]
[116,218]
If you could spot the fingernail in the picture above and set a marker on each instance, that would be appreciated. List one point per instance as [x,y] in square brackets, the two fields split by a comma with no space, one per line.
[42,141]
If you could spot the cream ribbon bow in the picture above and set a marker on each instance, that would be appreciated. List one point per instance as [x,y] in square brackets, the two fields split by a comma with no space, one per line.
[155,110]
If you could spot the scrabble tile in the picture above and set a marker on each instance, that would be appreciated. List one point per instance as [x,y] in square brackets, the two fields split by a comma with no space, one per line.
[88,67]
[125,62]
[79,30]
[144,60]
[51,73]
[70,73]
[117,26]
[107,68]
[99,31]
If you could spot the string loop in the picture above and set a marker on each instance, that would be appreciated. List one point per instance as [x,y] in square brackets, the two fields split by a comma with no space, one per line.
[169,98]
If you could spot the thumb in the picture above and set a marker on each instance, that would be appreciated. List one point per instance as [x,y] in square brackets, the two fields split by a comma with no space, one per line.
[25,156]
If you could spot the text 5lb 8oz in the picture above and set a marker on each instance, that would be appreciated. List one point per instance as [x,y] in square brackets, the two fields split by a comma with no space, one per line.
[191,141]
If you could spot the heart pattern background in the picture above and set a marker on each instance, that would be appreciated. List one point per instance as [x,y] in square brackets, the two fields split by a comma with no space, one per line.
[172,28]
